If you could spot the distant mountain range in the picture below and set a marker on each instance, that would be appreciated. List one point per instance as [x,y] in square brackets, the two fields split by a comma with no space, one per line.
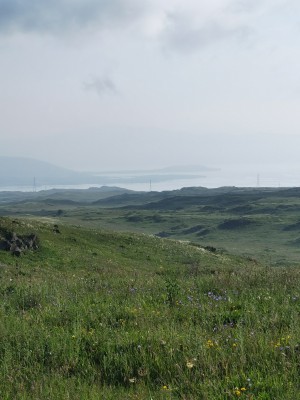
[21,171]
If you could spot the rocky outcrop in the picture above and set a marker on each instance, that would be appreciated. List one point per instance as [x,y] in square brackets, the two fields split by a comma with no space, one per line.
[17,244]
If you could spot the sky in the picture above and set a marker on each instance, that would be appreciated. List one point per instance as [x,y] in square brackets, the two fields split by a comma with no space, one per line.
[112,84]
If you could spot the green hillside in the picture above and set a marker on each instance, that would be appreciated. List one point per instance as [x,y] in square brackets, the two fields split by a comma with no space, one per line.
[96,314]
[260,223]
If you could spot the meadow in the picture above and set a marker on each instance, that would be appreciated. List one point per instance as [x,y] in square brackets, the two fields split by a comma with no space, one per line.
[96,314]
[262,223]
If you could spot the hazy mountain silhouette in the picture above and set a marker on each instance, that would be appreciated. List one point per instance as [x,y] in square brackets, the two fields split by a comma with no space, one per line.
[25,171]
[21,171]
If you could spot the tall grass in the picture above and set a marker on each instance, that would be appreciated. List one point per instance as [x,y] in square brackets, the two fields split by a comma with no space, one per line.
[96,315]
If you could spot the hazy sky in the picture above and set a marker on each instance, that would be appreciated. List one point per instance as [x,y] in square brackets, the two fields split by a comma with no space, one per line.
[104,84]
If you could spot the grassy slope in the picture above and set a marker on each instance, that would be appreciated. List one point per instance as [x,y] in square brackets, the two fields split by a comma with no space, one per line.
[103,315]
[273,234]
[272,237]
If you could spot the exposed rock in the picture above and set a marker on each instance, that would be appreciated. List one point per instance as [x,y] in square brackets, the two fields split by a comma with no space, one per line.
[18,244]
[31,242]
[15,250]
[4,244]
[56,229]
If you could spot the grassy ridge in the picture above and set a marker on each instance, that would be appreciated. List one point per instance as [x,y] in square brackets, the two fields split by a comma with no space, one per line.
[101,315]
[261,223]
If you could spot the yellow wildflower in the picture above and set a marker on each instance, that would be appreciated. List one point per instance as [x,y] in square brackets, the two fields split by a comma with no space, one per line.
[189,364]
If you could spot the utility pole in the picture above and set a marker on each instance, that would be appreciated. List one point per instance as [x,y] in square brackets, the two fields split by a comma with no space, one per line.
[258,181]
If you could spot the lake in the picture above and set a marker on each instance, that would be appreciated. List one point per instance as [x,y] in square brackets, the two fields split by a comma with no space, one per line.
[240,176]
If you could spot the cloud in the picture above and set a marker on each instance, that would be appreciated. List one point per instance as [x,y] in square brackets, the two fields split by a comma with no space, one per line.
[101,85]
[185,35]
[64,16]
[57,16]
[195,25]
[182,26]
[245,6]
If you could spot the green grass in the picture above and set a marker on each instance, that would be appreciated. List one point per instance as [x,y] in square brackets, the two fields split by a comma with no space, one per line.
[101,315]
[268,238]
[258,223]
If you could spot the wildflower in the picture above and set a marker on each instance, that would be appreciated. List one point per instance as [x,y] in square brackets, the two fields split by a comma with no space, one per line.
[283,342]
[132,380]
[239,391]
[212,344]
[190,364]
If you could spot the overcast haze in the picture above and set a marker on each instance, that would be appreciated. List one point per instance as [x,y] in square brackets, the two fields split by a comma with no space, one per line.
[110,84]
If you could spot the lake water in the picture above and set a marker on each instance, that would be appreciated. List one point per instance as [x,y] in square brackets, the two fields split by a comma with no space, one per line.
[239,176]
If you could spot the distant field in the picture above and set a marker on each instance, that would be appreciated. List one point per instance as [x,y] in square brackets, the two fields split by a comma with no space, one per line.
[258,223]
